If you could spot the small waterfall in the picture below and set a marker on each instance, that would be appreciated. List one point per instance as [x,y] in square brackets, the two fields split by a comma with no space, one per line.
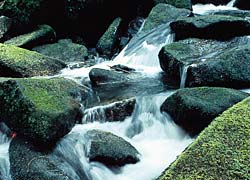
[159,141]
[231,3]
[183,75]
[96,113]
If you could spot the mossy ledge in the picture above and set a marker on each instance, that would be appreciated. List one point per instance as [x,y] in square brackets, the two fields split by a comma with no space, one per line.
[221,151]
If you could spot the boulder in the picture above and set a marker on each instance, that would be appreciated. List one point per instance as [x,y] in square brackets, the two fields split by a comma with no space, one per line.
[103,76]
[215,2]
[43,34]
[18,62]
[109,40]
[5,26]
[241,4]
[65,50]
[28,163]
[110,149]
[194,108]
[41,110]
[207,62]
[221,151]
[163,14]
[177,3]
[210,27]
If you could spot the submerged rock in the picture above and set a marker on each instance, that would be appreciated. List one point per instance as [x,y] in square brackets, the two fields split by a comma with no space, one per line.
[5,26]
[219,27]
[18,62]
[221,151]
[41,110]
[28,163]
[65,50]
[162,14]
[103,76]
[208,62]
[177,3]
[194,108]
[108,41]
[44,34]
[242,4]
[110,149]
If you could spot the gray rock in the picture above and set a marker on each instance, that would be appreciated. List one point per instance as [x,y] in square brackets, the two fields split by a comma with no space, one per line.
[194,108]
[218,27]
[43,34]
[108,41]
[177,3]
[208,62]
[110,149]
[65,50]
[5,25]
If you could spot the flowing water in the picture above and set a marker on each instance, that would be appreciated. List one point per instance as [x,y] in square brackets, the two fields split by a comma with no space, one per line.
[158,140]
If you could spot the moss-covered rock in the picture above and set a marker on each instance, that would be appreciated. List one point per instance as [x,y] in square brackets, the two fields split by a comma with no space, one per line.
[242,4]
[41,110]
[18,62]
[5,25]
[28,163]
[208,62]
[110,149]
[162,14]
[194,108]
[221,151]
[65,50]
[43,34]
[210,27]
[108,41]
[215,2]
[177,3]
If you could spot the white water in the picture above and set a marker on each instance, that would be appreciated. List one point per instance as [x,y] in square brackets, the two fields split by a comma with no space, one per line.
[206,8]
[4,157]
[184,70]
[152,133]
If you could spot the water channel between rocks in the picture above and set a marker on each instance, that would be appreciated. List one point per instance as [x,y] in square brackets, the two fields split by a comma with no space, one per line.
[158,140]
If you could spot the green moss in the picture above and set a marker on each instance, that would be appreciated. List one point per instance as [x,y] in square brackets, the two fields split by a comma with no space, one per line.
[221,151]
[177,3]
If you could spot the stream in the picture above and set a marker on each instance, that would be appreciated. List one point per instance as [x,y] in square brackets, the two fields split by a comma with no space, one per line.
[158,140]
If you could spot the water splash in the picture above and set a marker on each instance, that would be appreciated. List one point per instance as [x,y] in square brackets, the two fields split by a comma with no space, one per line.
[183,71]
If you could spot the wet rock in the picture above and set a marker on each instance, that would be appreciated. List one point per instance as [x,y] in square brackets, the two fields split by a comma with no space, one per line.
[241,4]
[65,50]
[162,14]
[219,150]
[18,62]
[215,2]
[103,76]
[194,108]
[110,149]
[208,62]
[41,110]
[26,162]
[43,34]
[5,25]
[177,3]
[122,68]
[210,27]
[108,41]
[236,13]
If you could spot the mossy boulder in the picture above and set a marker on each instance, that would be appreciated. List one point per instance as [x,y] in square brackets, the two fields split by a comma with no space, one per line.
[162,14]
[26,162]
[194,108]
[107,43]
[176,3]
[103,76]
[242,4]
[5,26]
[207,62]
[18,62]
[210,27]
[110,149]
[215,2]
[65,50]
[43,34]
[41,110]
[221,151]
